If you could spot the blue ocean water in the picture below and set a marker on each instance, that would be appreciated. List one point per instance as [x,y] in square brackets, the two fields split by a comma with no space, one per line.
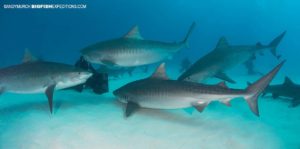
[92,121]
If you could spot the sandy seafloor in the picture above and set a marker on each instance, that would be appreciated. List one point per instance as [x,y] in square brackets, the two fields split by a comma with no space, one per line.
[89,121]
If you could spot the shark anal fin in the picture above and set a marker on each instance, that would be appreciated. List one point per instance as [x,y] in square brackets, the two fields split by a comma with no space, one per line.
[131,107]
[200,106]
[49,93]
[225,77]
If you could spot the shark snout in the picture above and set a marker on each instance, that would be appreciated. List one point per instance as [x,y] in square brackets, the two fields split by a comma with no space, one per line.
[121,96]
[85,75]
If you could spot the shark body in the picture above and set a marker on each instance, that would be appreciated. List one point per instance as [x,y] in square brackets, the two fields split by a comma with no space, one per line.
[40,77]
[159,92]
[225,57]
[132,50]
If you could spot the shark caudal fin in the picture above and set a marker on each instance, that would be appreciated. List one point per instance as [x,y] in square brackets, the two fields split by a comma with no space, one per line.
[185,41]
[255,89]
[274,44]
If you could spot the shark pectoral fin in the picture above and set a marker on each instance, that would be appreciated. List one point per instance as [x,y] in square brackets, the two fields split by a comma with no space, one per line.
[200,106]
[131,107]
[225,77]
[189,110]
[49,93]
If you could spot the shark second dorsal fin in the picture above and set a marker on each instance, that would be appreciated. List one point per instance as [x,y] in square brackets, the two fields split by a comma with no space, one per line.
[134,33]
[288,81]
[160,72]
[28,57]
[222,43]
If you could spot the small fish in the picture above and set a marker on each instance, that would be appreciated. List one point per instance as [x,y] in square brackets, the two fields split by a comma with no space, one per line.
[159,92]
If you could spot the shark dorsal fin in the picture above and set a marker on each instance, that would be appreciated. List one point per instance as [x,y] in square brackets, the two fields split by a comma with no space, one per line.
[288,81]
[222,43]
[134,33]
[222,84]
[28,57]
[160,72]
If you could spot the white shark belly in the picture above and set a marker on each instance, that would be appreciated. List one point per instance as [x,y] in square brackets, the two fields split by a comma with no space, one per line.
[179,102]
[38,88]
[166,102]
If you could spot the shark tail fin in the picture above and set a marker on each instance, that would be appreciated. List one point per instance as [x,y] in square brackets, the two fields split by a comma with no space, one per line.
[185,41]
[255,89]
[274,44]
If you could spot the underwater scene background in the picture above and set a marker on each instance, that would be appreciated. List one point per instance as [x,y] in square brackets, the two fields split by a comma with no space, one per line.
[88,120]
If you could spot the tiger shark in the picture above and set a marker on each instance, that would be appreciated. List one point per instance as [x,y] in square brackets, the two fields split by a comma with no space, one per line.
[159,92]
[35,76]
[225,57]
[287,89]
[132,50]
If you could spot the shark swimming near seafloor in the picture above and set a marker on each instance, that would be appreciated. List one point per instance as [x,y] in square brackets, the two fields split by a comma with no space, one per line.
[159,92]
[35,76]
[132,50]
[225,57]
